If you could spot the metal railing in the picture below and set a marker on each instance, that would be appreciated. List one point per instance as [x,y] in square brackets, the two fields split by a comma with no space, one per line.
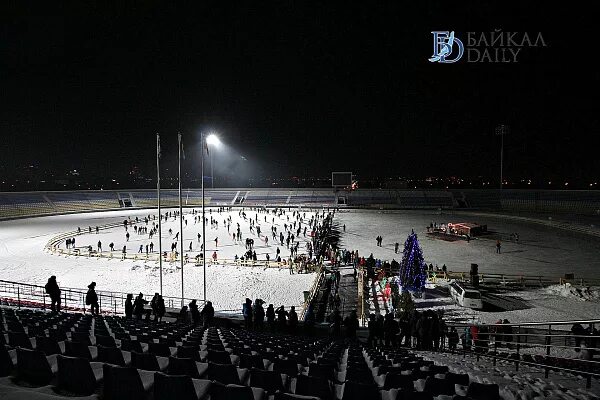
[548,345]
[72,299]
[513,279]
[314,289]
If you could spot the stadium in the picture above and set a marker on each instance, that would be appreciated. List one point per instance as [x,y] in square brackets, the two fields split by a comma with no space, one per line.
[546,274]
[298,201]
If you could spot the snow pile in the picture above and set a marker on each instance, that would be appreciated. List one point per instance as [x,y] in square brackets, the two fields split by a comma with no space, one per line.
[591,293]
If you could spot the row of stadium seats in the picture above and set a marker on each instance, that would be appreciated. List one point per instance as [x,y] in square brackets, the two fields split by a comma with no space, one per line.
[115,358]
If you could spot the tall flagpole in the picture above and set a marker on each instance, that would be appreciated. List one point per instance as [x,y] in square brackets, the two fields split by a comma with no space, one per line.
[203,226]
[180,220]
[159,213]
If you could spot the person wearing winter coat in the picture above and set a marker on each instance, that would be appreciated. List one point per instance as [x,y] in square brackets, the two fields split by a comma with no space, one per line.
[207,314]
[54,292]
[194,312]
[91,299]
[390,329]
[351,324]
[293,320]
[160,308]
[247,312]
[129,306]
[271,317]
[281,318]
[259,314]
[138,306]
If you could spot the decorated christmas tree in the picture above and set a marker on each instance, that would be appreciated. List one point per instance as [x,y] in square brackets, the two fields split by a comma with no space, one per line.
[413,271]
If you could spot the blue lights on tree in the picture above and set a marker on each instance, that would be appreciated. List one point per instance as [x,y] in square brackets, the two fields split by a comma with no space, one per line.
[413,271]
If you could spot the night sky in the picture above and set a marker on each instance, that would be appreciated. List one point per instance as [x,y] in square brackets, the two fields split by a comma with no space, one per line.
[296,88]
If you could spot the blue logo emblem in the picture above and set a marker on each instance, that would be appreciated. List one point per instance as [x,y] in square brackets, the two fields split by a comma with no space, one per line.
[443,46]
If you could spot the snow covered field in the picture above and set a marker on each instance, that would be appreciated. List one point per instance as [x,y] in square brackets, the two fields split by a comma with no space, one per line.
[540,250]
[23,259]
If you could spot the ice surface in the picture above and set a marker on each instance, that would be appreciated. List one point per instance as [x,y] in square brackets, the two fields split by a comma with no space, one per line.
[23,259]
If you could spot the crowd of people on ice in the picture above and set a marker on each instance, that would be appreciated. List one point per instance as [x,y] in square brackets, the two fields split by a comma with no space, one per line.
[296,224]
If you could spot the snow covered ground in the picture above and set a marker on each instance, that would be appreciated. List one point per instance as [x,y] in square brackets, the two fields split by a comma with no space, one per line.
[23,259]
[540,250]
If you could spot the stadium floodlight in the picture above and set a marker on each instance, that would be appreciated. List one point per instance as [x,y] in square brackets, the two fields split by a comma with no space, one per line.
[213,140]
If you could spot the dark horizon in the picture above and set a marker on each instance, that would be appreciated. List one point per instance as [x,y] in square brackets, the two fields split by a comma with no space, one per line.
[296,90]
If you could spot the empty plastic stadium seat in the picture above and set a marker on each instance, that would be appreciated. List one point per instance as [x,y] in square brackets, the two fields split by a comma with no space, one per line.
[458,379]
[321,370]
[79,349]
[483,391]
[288,367]
[106,341]
[19,339]
[218,357]
[34,367]
[78,375]
[48,345]
[437,386]
[149,362]
[359,391]
[186,366]
[314,386]
[398,381]
[125,383]
[270,381]
[7,361]
[131,345]
[159,349]
[188,352]
[113,355]
[179,387]
[81,337]
[219,391]
[223,373]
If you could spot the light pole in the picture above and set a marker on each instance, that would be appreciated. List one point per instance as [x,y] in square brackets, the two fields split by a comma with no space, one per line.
[212,139]
[159,212]
[501,130]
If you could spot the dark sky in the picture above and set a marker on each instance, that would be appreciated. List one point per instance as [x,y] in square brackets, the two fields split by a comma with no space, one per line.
[297,88]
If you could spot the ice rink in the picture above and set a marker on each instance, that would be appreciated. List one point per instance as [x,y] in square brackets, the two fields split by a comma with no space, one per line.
[540,250]
[23,259]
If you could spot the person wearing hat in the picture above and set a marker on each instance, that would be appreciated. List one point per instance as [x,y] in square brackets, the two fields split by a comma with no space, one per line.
[91,299]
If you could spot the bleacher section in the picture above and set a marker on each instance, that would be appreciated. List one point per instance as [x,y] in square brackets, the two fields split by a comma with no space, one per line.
[45,356]
[401,199]
[14,205]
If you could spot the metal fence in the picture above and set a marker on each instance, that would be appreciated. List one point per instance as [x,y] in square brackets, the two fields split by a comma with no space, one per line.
[553,346]
[72,299]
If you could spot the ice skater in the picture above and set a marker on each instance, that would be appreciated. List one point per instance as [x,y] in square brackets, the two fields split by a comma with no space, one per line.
[498,246]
